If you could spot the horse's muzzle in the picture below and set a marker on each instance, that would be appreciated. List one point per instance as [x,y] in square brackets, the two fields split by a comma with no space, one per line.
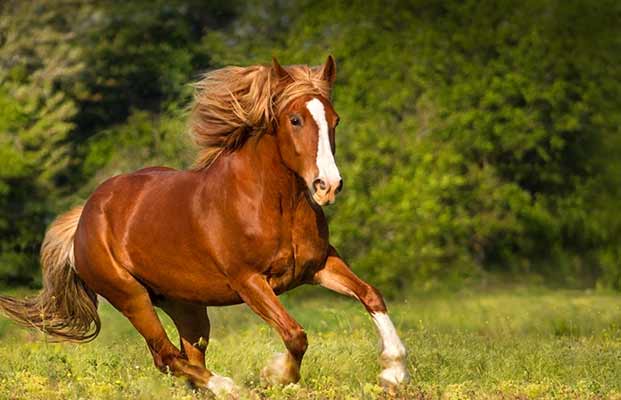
[324,192]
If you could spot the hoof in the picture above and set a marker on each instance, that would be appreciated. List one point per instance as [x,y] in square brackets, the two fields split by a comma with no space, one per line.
[395,373]
[394,377]
[223,387]
[280,370]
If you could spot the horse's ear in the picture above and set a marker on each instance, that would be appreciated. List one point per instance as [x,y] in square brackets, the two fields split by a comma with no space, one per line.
[328,71]
[279,71]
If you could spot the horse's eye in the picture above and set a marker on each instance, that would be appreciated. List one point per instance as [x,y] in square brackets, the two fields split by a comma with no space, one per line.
[295,120]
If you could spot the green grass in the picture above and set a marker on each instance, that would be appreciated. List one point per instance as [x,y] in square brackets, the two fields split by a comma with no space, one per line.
[502,344]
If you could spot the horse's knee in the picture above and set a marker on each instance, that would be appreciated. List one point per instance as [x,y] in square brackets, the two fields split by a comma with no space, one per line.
[373,300]
[297,342]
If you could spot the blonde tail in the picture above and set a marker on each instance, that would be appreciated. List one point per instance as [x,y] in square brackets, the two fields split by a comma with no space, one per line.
[65,308]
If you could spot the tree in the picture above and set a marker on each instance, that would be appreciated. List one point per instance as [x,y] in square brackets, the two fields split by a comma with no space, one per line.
[39,65]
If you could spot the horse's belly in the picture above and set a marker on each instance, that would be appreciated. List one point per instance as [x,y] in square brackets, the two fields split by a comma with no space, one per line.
[183,277]
[201,288]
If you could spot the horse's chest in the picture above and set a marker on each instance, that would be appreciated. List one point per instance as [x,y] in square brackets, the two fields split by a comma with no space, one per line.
[302,252]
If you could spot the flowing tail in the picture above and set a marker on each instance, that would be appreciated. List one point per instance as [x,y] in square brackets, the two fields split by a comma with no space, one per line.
[65,308]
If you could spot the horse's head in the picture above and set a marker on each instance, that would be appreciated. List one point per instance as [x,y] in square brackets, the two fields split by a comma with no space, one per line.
[305,132]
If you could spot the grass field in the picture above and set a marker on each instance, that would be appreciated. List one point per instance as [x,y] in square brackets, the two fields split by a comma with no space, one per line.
[501,344]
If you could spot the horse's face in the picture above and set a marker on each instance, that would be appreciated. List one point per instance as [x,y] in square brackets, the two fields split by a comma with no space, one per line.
[305,132]
[306,140]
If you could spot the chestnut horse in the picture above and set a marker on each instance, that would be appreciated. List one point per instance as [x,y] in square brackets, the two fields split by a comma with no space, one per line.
[244,225]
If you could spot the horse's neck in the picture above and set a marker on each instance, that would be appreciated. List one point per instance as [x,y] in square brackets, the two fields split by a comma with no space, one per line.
[259,168]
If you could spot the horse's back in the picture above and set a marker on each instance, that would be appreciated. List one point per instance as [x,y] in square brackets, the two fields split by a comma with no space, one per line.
[130,183]
[148,170]
[122,193]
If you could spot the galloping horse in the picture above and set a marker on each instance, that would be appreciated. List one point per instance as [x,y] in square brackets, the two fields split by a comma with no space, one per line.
[244,225]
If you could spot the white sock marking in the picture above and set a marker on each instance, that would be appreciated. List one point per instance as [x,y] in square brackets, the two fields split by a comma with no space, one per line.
[391,344]
[325,158]
[393,351]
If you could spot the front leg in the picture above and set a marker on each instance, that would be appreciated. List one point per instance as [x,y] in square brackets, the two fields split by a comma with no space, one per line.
[284,368]
[336,275]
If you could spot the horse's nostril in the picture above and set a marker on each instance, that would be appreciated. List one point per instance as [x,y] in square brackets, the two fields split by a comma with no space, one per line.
[340,186]
[320,184]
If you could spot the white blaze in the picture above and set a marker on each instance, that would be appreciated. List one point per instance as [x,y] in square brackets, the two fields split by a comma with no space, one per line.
[325,159]
[393,351]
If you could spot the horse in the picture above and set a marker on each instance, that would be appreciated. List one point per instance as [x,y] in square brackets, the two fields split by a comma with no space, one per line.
[243,225]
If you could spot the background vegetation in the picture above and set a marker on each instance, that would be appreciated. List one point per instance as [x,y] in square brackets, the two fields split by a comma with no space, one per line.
[478,137]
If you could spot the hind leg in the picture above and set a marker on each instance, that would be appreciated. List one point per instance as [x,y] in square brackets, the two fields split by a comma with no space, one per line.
[192,322]
[128,296]
[139,310]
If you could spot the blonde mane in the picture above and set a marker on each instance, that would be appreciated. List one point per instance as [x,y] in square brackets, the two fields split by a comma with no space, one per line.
[234,103]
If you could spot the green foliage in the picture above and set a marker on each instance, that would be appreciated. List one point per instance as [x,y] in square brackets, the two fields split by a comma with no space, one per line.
[37,78]
[145,139]
[142,54]
[88,89]
[476,136]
